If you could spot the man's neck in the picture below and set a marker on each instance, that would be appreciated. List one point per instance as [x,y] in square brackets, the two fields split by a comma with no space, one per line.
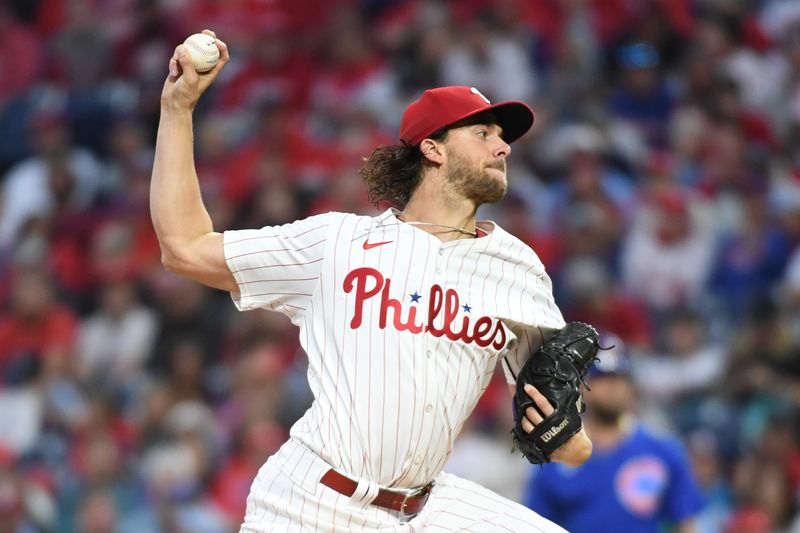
[431,204]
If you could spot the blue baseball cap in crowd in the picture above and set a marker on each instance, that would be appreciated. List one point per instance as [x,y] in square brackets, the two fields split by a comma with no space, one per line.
[611,362]
[638,55]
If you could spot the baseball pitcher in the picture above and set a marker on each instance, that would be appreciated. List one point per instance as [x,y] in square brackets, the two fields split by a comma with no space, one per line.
[404,317]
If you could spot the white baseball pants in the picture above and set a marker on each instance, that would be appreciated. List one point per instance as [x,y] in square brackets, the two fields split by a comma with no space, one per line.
[287,496]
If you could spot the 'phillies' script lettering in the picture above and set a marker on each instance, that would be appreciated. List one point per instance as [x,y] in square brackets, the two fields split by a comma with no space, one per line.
[368,282]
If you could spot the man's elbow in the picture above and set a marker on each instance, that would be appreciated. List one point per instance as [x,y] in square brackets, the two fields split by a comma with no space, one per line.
[172,259]
[168,262]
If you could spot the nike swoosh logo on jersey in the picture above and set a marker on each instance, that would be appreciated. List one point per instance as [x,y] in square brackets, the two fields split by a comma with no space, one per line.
[369,245]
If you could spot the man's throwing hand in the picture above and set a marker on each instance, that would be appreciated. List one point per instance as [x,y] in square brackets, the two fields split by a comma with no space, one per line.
[184,85]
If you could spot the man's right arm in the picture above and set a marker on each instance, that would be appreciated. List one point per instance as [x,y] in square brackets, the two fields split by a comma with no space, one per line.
[189,245]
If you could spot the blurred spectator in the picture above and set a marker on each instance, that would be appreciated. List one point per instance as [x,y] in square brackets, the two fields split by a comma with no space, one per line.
[667,255]
[643,96]
[689,367]
[97,514]
[21,63]
[688,135]
[25,505]
[764,376]
[176,469]
[114,343]
[103,490]
[483,60]
[257,440]
[20,69]
[277,69]
[708,467]
[186,314]
[140,49]
[635,480]
[739,49]
[35,328]
[791,45]
[751,257]
[257,388]
[352,78]
[594,297]
[81,54]
[419,57]
[761,481]
[749,520]
[130,161]
[59,177]
[185,376]
[590,204]
[21,408]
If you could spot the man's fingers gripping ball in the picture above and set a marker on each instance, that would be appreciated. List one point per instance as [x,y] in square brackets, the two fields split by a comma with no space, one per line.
[203,51]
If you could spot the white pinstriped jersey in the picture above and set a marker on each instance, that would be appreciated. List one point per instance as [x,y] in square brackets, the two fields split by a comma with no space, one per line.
[402,331]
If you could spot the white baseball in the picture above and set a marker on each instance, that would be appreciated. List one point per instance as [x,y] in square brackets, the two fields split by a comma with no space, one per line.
[203,51]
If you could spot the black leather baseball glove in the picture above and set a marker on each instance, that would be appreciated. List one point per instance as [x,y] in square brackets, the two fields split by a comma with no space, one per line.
[557,370]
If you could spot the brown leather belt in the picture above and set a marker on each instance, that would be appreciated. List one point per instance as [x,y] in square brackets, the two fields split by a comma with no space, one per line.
[408,504]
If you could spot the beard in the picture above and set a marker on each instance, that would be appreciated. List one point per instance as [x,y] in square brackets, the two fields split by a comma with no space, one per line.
[605,415]
[474,183]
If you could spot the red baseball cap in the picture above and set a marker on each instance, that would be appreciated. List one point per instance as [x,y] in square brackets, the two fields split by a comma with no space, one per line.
[444,106]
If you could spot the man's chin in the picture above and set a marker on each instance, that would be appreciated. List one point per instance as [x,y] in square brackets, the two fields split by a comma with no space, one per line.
[496,187]
[491,195]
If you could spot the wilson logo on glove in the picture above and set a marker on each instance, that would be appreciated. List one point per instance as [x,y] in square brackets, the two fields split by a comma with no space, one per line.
[550,433]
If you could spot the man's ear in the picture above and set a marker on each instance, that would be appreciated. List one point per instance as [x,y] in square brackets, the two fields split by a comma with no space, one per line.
[432,151]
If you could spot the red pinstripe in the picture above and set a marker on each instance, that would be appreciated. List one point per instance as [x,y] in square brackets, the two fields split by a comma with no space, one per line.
[279,265]
[277,235]
[273,250]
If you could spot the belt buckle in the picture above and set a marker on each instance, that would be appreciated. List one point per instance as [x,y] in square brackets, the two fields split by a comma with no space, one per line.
[410,494]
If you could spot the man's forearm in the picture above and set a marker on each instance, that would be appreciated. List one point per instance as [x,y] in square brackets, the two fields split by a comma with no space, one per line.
[176,206]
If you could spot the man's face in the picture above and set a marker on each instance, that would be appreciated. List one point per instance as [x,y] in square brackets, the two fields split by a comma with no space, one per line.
[610,397]
[476,162]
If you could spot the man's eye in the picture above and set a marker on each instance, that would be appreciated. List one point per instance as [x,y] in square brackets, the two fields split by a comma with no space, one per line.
[483,133]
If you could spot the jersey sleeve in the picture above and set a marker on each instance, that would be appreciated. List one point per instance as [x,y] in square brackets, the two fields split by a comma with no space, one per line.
[278,267]
[528,340]
[683,499]
[531,311]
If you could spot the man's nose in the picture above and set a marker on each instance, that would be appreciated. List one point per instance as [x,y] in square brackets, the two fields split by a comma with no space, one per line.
[503,149]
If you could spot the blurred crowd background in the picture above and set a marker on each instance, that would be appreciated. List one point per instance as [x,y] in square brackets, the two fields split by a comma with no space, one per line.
[660,186]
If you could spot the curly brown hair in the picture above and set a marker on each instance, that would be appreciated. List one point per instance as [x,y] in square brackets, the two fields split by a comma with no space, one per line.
[393,172]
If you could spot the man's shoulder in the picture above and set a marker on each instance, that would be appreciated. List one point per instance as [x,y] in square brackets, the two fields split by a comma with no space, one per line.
[659,441]
[508,245]
[329,219]
[340,216]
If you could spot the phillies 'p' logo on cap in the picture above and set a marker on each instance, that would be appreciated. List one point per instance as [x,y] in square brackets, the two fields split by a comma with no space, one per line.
[444,106]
